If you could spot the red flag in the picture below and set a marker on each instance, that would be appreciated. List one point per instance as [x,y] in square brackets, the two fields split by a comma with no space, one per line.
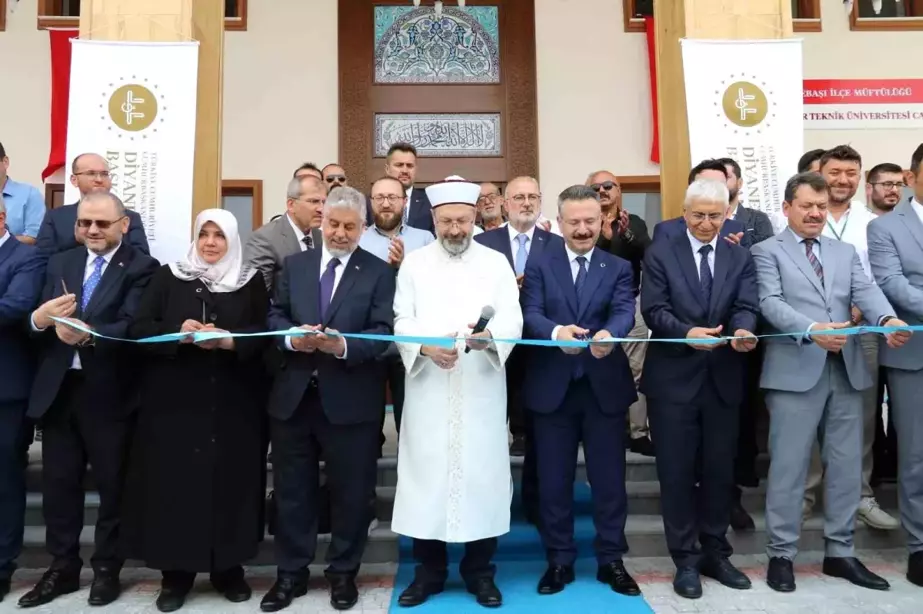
[652,61]
[60,93]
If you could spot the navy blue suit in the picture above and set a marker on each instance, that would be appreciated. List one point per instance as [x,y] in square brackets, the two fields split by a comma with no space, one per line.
[579,397]
[320,402]
[57,232]
[420,211]
[20,285]
[677,226]
[694,396]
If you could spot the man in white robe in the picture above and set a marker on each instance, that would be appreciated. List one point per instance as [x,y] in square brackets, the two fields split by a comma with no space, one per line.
[454,483]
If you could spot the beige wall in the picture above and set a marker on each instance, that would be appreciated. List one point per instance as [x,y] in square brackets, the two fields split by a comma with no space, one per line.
[281,109]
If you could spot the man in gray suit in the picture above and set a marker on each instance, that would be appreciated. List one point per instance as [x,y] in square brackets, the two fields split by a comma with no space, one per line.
[812,379]
[297,230]
[896,256]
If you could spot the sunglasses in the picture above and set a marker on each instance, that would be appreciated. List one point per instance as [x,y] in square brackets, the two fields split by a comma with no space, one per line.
[336,178]
[605,185]
[101,224]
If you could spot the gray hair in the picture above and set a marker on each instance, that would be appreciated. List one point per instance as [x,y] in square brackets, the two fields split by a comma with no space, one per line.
[576,192]
[708,190]
[115,200]
[521,178]
[296,185]
[346,198]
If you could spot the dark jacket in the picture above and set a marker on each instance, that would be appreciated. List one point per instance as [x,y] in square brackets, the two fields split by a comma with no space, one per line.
[20,286]
[757,226]
[629,245]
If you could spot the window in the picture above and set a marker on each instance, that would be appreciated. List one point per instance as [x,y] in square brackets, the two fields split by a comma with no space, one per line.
[805,15]
[66,14]
[886,15]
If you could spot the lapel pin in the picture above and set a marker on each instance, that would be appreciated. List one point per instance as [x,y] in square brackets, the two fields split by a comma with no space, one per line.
[122,264]
[602,265]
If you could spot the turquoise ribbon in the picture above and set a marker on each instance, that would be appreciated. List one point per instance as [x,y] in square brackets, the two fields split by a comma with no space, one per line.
[198,337]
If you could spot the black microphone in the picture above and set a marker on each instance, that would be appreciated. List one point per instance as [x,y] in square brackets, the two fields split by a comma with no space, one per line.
[487,313]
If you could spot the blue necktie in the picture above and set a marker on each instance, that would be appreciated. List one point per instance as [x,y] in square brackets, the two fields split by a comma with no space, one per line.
[326,285]
[705,276]
[521,255]
[581,275]
[92,281]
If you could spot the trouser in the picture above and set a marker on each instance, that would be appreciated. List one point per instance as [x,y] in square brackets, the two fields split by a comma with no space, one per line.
[747,449]
[637,412]
[14,432]
[515,378]
[904,392]
[74,433]
[701,433]
[869,343]
[557,438]
[433,560]
[395,383]
[884,449]
[351,454]
[831,413]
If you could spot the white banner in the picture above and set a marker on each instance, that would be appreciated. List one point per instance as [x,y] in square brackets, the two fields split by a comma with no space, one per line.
[744,101]
[135,105]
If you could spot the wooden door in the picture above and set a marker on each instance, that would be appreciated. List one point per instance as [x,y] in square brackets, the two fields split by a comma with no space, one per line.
[461,88]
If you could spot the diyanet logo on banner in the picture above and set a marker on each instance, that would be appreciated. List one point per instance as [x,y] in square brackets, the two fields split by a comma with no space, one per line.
[139,114]
[749,111]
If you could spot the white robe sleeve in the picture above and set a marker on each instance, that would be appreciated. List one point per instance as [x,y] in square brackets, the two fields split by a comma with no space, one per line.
[507,323]
[406,323]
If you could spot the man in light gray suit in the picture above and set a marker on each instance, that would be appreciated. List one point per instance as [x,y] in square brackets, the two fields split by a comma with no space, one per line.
[896,256]
[807,284]
[297,230]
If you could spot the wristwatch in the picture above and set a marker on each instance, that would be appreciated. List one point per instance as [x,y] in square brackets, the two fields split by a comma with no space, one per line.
[885,320]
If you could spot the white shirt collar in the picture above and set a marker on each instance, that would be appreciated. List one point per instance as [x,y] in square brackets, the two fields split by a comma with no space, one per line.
[326,257]
[515,233]
[299,234]
[697,245]
[572,255]
[6,237]
[91,256]
[916,204]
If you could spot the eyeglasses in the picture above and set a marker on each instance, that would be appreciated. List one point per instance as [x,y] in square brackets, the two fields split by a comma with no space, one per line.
[93,174]
[521,198]
[488,198]
[605,185]
[314,202]
[336,178]
[450,223]
[711,217]
[393,199]
[101,224]
[891,185]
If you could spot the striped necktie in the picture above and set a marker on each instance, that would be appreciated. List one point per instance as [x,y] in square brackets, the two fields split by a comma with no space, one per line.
[815,263]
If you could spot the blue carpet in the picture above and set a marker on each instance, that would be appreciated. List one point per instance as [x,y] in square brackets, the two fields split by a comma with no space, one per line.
[520,563]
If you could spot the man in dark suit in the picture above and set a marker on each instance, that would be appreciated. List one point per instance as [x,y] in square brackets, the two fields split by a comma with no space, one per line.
[82,391]
[698,287]
[577,291]
[89,174]
[20,285]
[401,164]
[522,242]
[731,230]
[328,396]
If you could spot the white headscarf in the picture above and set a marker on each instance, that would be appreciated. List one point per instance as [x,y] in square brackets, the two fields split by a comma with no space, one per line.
[228,274]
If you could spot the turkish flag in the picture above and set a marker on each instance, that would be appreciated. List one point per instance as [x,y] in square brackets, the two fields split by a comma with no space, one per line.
[60,94]
[652,62]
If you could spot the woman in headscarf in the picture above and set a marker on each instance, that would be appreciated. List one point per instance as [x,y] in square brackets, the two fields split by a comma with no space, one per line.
[195,487]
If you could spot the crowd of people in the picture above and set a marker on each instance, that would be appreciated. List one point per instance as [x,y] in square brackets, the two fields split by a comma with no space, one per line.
[177,433]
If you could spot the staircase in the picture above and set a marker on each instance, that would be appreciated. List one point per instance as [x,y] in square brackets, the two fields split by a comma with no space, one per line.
[644,530]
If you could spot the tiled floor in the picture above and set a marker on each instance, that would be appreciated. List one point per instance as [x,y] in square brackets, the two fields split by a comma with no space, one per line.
[816,594]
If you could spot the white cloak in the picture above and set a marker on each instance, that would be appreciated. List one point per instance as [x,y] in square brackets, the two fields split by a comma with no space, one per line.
[453,471]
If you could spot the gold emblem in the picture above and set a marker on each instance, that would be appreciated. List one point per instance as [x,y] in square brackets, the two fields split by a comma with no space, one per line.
[745,104]
[133,107]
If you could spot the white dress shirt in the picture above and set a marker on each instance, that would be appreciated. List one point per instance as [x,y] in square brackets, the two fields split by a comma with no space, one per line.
[87,271]
[325,258]
[851,228]
[917,208]
[4,238]
[574,268]
[696,246]
[298,233]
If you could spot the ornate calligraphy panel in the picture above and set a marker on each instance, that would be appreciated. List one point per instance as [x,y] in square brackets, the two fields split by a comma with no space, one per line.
[455,135]
[413,46]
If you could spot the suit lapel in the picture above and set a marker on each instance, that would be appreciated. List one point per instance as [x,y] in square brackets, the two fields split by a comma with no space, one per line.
[6,250]
[73,276]
[911,221]
[312,287]
[686,259]
[114,272]
[561,269]
[723,255]
[829,246]
[538,245]
[502,240]
[289,240]
[350,274]
[597,268]
[795,250]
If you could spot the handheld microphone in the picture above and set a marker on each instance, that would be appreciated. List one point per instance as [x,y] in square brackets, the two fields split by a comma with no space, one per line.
[487,313]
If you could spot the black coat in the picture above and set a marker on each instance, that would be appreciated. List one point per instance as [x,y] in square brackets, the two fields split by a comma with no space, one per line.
[196,482]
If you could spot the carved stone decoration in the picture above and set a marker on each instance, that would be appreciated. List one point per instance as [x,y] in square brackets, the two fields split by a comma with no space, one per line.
[453,135]
[413,46]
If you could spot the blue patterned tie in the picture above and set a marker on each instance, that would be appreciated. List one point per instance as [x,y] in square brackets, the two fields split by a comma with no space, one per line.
[326,285]
[521,255]
[705,276]
[92,281]
[581,275]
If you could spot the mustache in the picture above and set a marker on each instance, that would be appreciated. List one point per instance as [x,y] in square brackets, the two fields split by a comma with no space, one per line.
[587,235]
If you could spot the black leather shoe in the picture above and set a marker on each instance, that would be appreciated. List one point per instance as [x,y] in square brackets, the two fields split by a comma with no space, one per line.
[616,576]
[172,597]
[555,579]
[343,592]
[686,583]
[643,446]
[417,593]
[54,583]
[914,569]
[721,569]
[780,576]
[486,592]
[233,586]
[741,520]
[105,589]
[283,592]
[518,446]
[852,570]
[4,588]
